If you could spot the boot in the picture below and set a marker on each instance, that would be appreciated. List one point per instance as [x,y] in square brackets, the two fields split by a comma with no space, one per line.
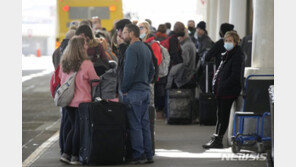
[215,142]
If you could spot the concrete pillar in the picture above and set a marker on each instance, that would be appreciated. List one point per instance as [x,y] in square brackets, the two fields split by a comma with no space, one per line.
[222,15]
[238,16]
[263,38]
[212,18]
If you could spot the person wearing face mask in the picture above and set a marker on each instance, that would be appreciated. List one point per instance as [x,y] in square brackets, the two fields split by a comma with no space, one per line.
[154,48]
[218,48]
[227,85]
[191,30]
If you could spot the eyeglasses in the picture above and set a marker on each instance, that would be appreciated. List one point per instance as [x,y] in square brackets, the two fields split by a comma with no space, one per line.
[141,27]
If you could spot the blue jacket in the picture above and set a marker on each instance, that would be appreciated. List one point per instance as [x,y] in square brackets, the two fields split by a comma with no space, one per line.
[138,68]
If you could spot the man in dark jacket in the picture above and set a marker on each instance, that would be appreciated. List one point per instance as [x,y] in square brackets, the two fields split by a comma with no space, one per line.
[174,45]
[204,41]
[138,73]
[192,30]
[218,48]
[122,46]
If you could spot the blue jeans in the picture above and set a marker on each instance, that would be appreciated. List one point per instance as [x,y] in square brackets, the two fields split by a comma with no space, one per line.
[64,128]
[139,124]
[71,145]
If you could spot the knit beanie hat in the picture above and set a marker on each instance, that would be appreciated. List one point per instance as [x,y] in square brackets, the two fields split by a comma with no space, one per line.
[226,27]
[201,25]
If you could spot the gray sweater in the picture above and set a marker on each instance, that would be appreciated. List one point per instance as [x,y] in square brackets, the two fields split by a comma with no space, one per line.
[182,73]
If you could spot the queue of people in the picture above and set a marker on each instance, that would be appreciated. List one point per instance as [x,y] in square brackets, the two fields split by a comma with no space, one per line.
[138,48]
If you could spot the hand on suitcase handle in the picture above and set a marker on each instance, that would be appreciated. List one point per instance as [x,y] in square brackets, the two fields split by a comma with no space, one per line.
[92,94]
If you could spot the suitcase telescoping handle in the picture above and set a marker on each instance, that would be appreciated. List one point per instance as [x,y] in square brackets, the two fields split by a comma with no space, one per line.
[92,92]
[207,75]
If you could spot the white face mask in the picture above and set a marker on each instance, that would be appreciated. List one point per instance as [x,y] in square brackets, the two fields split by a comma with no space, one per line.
[142,35]
[195,35]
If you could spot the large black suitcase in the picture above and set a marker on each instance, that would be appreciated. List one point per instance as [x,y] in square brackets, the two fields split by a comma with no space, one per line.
[179,107]
[207,104]
[102,132]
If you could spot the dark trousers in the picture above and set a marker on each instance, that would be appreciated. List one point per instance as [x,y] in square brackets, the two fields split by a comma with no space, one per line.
[224,107]
[71,146]
[64,129]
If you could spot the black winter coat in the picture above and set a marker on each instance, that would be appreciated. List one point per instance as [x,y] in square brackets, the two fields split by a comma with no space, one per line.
[215,52]
[174,50]
[227,80]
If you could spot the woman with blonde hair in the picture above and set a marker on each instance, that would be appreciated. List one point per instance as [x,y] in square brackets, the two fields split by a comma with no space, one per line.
[75,59]
[144,30]
[226,85]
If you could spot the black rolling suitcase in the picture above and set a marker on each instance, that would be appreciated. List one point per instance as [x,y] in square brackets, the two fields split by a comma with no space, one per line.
[102,132]
[179,107]
[207,104]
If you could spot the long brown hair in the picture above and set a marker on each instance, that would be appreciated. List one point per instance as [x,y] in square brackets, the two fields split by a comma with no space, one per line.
[74,55]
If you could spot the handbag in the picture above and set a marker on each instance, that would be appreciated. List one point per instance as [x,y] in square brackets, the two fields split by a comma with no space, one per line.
[65,93]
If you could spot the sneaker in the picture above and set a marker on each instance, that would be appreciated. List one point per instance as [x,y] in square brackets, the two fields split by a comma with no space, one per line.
[65,158]
[74,160]
[149,161]
[137,161]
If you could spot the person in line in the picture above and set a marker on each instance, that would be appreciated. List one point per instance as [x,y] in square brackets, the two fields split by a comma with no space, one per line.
[174,44]
[154,47]
[98,30]
[191,30]
[168,28]
[122,46]
[86,22]
[227,86]
[75,59]
[161,33]
[65,123]
[138,74]
[204,42]
[152,29]
[181,74]
[218,48]
[95,50]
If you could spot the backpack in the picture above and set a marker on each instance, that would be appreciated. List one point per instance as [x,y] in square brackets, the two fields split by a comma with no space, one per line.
[165,62]
[55,81]
[154,60]
[165,43]
[65,93]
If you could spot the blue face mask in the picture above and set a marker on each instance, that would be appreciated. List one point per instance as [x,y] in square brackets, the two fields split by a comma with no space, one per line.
[142,35]
[228,46]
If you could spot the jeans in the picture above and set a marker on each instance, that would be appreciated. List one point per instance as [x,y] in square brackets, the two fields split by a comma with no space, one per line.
[71,146]
[64,128]
[223,113]
[139,124]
